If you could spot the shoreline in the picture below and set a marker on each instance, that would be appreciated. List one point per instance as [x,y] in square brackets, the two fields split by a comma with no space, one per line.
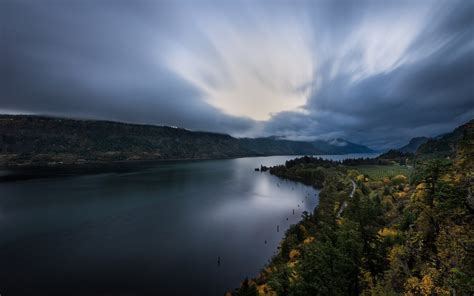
[253,281]
[53,164]
[18,172]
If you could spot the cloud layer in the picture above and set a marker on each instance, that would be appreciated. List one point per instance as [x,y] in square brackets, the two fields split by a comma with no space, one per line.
[372,72]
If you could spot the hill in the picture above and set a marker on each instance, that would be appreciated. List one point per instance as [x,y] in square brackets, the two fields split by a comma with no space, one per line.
[413,145]
[36,140]
[445,145]
[275,146]
[340,146]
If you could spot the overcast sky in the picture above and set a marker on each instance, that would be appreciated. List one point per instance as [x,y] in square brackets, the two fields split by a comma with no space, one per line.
[372,72]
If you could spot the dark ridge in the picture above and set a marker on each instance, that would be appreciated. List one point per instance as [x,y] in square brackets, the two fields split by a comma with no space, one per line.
[27,140]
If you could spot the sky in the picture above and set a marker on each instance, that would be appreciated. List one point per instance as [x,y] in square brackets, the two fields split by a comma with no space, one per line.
[372,72]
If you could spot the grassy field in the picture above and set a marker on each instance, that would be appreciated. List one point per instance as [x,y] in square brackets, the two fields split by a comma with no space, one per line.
[379,172]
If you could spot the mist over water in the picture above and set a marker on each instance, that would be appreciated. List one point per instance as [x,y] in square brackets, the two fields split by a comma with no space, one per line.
[155,230]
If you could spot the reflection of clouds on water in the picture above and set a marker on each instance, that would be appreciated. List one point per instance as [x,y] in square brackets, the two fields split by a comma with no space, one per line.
[266,201]
[260,205]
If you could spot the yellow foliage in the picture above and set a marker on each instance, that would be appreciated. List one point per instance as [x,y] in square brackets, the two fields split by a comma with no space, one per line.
[411,286]
[294,254]
[367,278]
[303,229]
[294,277]
[421,186]
[427,284]
[401,195]
[415,286]
[457,178]
[360,178]
[421,195]
[268,270]
[375,185]
[387,199]
[446,178]
[399,179]
[308,240]
[336,206]
[352,173]
[421,192]
[451,251]
[388,232]
[395,255]
[265,290]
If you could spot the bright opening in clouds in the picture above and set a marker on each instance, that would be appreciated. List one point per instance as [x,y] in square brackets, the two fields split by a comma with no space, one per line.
[373,72]
[252,70]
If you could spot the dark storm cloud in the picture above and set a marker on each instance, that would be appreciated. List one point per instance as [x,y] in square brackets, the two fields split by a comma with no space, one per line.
[98,60]
[374,72]
[430,93]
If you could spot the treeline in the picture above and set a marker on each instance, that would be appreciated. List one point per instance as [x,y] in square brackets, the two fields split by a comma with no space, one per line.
[397,156]
[327,163]
[313,170]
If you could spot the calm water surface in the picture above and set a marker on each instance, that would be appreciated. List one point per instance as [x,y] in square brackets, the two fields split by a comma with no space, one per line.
[155,230]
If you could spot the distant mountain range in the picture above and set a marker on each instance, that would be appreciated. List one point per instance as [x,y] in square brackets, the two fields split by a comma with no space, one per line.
[36,140]
[277,146]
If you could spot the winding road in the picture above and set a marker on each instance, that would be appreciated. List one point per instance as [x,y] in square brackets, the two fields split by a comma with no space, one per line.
[344,204]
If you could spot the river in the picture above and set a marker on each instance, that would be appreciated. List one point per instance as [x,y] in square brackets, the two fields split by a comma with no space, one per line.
[158,229]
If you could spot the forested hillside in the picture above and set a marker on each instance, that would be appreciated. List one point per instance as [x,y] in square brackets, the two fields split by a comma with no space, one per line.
[34,140]
[413,145]
[29,139]
[406,230]
[444,145]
